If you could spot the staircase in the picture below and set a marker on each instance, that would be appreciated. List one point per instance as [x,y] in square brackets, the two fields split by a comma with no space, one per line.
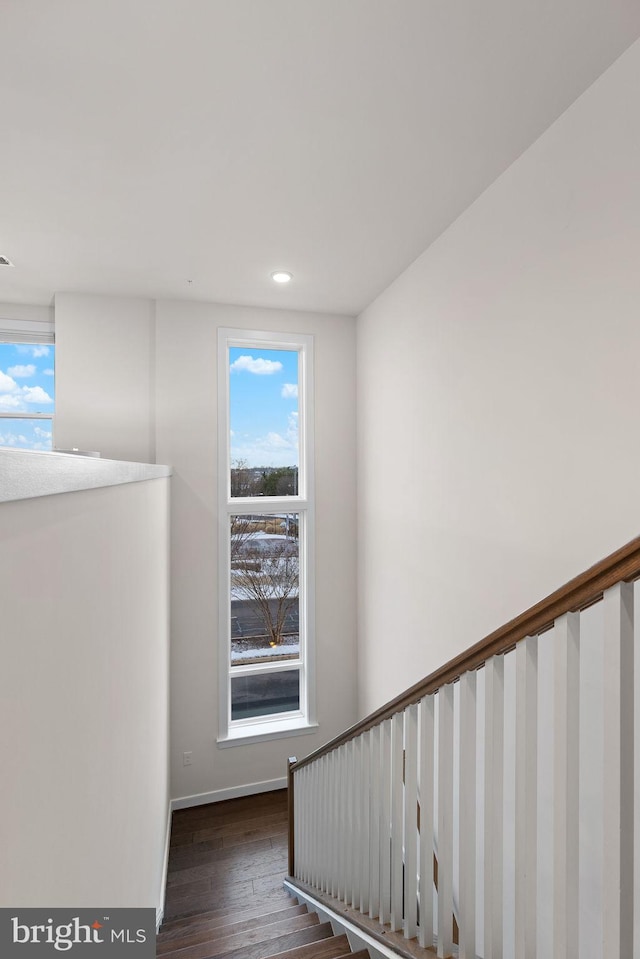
[225,898]
[481,809]
[288,933]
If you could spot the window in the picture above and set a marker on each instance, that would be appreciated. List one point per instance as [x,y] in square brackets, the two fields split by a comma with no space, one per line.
[26,392]
[266,535]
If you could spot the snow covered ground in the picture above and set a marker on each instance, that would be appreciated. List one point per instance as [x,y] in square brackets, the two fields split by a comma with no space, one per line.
[237,655]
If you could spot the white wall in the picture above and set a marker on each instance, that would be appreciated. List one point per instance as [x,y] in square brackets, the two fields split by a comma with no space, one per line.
[84,697]
[104,376]
[498,392]
[183,419]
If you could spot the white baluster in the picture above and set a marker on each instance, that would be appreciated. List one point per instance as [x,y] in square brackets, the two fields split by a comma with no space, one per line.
[313,831]
[493,806]
[297,812]
[332,864]
[365,799]
[311,822]
[425,935]
[346,823]
[301,820]
[326,836]
[356,823]
[468,805]
[374,823]
[354,894]
[385,822]
[335,823]
[315,787]
[348,838]
[325,824]
[397,763]
[410,819]
[618,773]
[339,806]
[321,848]
[445,820]
[526,798]
[566,786]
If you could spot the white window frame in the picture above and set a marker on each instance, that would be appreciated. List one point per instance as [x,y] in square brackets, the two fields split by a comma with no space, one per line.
[28,331]
[259,728]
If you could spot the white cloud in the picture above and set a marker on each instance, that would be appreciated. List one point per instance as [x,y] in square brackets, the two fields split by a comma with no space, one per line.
[9,401]
[35,394]
[48,372]
[35,351]
[43,434]
[274,441]
[19,441]
[272,449]
[14,439]
[22,371]
[253,364]
[7,383]
[290,391]
[292,429]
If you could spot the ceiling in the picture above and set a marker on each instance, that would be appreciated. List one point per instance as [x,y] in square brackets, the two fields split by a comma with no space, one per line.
[187,148]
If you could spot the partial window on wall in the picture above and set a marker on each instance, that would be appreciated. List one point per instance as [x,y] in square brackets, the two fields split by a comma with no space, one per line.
[266,535]
[27,388]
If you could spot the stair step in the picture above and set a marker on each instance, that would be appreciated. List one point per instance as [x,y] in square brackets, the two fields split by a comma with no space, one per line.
[333,948]
[264,864]
[230,901]
[183,881]
[283,944]
[211,943]
[249,908]
[221,927]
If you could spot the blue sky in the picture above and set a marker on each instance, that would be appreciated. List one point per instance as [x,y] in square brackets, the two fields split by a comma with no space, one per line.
[263,402]
[26,386]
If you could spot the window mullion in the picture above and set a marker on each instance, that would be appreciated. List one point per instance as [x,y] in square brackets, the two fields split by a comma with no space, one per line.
[290,504]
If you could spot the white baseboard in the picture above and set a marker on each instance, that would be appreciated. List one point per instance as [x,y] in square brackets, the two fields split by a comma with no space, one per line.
[233,792]
[165,869]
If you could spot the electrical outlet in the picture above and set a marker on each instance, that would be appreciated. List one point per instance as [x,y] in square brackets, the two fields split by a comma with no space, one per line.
[187,758]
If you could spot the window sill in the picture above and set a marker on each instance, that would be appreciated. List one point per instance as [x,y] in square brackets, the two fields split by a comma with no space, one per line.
[260,732]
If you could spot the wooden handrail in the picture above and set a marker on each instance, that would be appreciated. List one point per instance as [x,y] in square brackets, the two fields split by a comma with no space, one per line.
[579,593]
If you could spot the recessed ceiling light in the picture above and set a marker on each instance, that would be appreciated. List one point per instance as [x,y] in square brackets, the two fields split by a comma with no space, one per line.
[5,261]
[281,276]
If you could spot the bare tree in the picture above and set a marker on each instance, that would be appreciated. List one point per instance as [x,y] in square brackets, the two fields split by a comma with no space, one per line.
[270,581]
[241,529]
[243,482]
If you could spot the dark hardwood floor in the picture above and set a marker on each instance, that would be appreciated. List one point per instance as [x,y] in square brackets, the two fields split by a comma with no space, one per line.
[227,853]
[225,897]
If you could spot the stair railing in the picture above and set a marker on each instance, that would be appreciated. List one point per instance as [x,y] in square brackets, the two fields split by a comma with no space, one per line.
[444,783]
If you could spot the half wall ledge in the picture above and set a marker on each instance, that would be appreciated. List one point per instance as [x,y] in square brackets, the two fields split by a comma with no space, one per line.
[25,474]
